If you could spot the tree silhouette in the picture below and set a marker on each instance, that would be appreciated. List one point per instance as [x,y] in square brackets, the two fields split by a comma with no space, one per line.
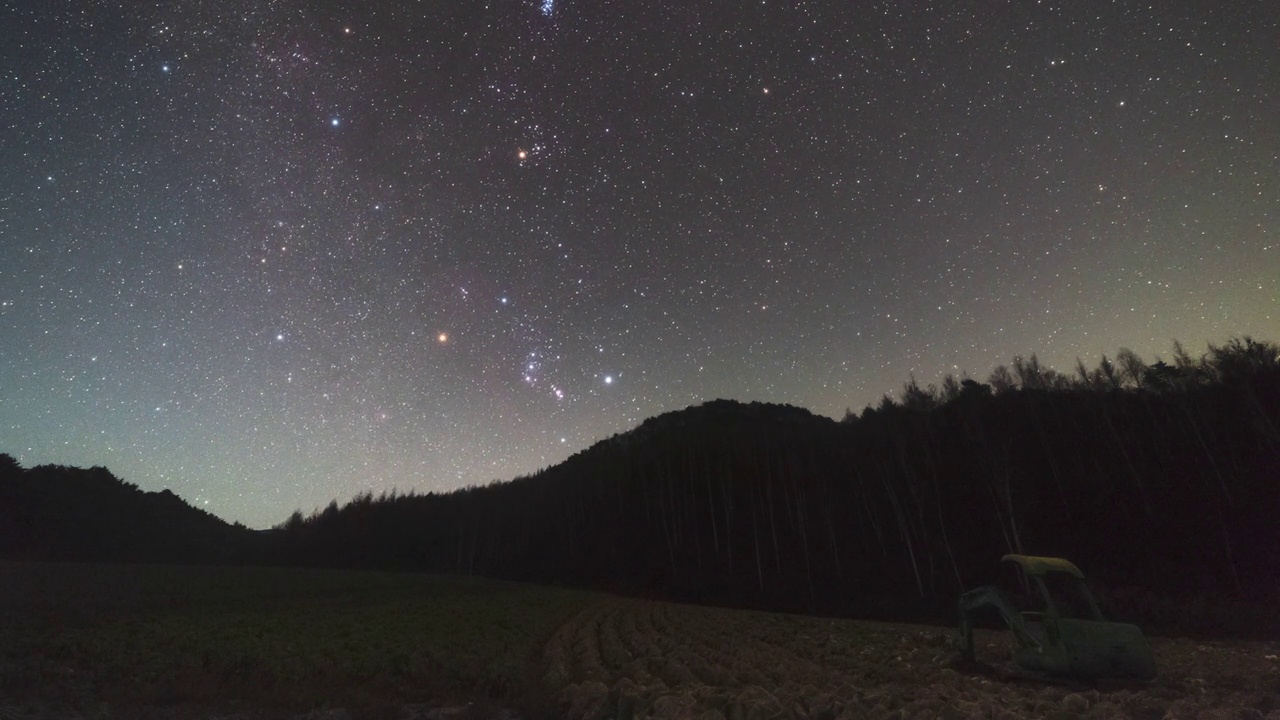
[1158,480]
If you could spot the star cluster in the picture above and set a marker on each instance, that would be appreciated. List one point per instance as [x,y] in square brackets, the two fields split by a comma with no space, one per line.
[273,253]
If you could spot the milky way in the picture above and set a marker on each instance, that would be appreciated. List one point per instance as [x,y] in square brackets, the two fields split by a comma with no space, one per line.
[268,254]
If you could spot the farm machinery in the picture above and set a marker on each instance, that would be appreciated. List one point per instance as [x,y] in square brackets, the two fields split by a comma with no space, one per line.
[1062,633]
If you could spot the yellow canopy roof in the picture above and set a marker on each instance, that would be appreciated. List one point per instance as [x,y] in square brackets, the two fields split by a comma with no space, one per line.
[1041,565]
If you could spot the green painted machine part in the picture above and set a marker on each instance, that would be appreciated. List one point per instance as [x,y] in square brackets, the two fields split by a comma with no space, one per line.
[1067,637]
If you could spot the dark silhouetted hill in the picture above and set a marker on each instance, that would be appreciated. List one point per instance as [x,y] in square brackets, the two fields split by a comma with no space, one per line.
[52,512]
[1161,481]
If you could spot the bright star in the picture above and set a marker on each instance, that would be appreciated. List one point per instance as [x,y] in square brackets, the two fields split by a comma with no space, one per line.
[608,379]
[164,68]
[442,338]
[335,122]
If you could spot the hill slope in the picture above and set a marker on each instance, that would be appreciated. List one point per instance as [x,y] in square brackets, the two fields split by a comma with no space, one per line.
[1164,493]
[1159,483]
[52,512]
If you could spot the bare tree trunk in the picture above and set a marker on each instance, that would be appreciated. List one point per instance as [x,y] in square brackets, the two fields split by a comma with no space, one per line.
[835,546]
[1008,541]
[458,564]
[668,533]
[1213,464]
[711,510]
[773,525]
[471,562]
[902,528]
[798,492]
[871,516]
[1053,463]
[1128,459]
[691,502]
[1231,558]
[728,514]
[808,566]
[672,503]
[942,523]
[1005,490]
[755,530]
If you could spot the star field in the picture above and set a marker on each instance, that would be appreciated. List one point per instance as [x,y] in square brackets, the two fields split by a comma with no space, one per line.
[268,254]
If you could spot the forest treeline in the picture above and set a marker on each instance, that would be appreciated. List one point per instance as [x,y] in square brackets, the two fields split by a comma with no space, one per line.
[55,512]
[1161,480]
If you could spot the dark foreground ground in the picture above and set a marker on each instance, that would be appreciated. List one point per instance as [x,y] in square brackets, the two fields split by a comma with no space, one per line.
[119,641]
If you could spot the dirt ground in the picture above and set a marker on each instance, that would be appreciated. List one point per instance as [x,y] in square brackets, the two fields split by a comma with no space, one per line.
[635,659]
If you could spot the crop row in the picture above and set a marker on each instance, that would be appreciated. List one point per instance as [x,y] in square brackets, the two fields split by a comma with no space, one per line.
[631,659]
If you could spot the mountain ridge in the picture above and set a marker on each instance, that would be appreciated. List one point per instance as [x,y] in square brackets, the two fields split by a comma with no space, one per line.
[55,512]
[1158,481]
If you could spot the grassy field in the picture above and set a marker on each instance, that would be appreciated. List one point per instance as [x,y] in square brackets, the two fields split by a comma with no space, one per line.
[273,639]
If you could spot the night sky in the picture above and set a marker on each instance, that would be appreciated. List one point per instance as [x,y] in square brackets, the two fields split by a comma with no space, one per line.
[270,254]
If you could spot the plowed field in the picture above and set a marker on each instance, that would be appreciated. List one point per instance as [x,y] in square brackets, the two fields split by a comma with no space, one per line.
[632,659]
[180,643]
